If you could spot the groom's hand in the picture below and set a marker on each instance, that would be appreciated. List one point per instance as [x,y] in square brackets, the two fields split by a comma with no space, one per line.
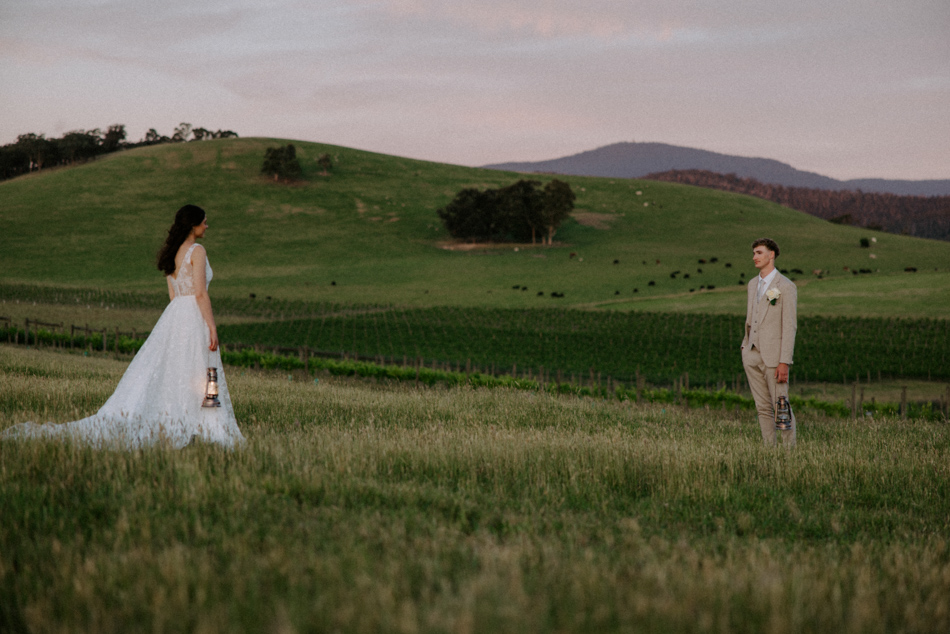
[781,373]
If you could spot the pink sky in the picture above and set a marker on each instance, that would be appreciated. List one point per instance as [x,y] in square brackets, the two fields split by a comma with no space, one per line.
[848,89]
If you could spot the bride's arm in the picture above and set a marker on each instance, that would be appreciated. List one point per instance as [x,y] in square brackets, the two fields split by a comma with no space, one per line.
[171,291]
[198,259]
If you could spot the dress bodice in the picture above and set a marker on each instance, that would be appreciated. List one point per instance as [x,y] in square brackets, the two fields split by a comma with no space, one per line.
[183,283]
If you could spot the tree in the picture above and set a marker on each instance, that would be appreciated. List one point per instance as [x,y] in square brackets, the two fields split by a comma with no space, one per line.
[182,133]
[113,138]
[80,145]
[558,204]
[36,147]
[325,163]
[514,212]
[522,206]
[152,137]
[13,161]
[282,163]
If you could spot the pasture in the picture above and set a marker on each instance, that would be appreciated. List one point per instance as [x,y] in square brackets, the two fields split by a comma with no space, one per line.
[368,233]
[375,507]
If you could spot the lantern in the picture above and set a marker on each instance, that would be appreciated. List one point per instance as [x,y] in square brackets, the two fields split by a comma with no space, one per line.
[783,414]
[211,390]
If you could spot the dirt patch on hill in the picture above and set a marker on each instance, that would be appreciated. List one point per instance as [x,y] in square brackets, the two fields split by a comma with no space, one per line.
[593,220]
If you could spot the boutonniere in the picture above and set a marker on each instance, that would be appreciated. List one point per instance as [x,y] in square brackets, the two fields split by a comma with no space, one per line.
[773,294]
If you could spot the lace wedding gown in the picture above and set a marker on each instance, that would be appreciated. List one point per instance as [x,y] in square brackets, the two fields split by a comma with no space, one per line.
[158,400]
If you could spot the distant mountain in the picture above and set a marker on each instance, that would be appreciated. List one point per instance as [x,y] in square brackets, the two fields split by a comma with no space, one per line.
[635,160]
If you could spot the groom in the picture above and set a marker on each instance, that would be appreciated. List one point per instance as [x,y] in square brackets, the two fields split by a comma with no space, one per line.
[769,341]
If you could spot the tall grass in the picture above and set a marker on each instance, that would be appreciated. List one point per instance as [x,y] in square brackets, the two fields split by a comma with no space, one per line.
[372,507]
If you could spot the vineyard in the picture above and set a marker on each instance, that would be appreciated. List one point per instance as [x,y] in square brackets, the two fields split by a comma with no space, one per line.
[580,345]
[658,347]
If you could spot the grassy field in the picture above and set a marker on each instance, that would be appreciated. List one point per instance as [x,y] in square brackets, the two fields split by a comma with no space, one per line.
[366,507]
[371,227]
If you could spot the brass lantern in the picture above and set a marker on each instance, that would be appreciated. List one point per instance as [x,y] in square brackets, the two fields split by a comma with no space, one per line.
[783,414]
[211,390]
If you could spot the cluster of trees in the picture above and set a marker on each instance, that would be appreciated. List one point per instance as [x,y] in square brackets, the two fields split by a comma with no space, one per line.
[513,213]
[33,152]
[921,216]
[283,165]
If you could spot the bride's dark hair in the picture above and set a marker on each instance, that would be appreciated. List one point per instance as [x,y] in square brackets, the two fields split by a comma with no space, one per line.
[186,219]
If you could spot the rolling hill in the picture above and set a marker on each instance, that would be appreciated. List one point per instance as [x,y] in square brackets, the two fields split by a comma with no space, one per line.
[368,233]
[636,160]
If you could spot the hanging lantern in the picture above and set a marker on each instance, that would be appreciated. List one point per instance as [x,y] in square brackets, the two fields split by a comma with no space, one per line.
[783,414]
[211,390]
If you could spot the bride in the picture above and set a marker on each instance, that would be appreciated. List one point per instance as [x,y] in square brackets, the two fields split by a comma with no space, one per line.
[159,399]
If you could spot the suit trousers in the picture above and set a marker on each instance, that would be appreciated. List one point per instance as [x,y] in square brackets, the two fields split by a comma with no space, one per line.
[765,391]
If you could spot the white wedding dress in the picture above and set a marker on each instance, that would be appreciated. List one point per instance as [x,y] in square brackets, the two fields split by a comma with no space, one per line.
[158,401]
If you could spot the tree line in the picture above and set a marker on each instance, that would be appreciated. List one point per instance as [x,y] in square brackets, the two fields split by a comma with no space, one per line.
[33,152]
[920,216]
[515,213]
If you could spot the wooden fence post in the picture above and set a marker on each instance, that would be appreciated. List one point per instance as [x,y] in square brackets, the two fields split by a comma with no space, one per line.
[904,402]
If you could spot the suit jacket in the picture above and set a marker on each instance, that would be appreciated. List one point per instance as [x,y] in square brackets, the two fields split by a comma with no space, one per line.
[771,329]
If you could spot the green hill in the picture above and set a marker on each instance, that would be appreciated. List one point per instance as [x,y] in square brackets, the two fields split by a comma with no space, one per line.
[371,227]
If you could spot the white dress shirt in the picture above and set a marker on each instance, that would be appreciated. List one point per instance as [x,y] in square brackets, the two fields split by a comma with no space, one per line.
[764,284]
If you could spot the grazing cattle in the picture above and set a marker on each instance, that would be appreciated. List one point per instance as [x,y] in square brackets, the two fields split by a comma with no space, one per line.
[686,277]
[816,271]
[540,293]
[616,261]
[702,261]
[636,290]
[517,287]
[728,265]
[911,269]
[713,260]
[572,255]
[616,292]
[699,270]
[253,295]
[710,287]
[798,271]
[651,283]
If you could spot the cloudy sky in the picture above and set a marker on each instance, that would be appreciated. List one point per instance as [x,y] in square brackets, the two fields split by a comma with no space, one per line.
[849,88]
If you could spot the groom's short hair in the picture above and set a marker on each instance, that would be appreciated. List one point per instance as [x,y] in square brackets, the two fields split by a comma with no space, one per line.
[768,243]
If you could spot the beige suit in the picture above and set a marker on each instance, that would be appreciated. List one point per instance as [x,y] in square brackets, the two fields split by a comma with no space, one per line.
[769,340]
